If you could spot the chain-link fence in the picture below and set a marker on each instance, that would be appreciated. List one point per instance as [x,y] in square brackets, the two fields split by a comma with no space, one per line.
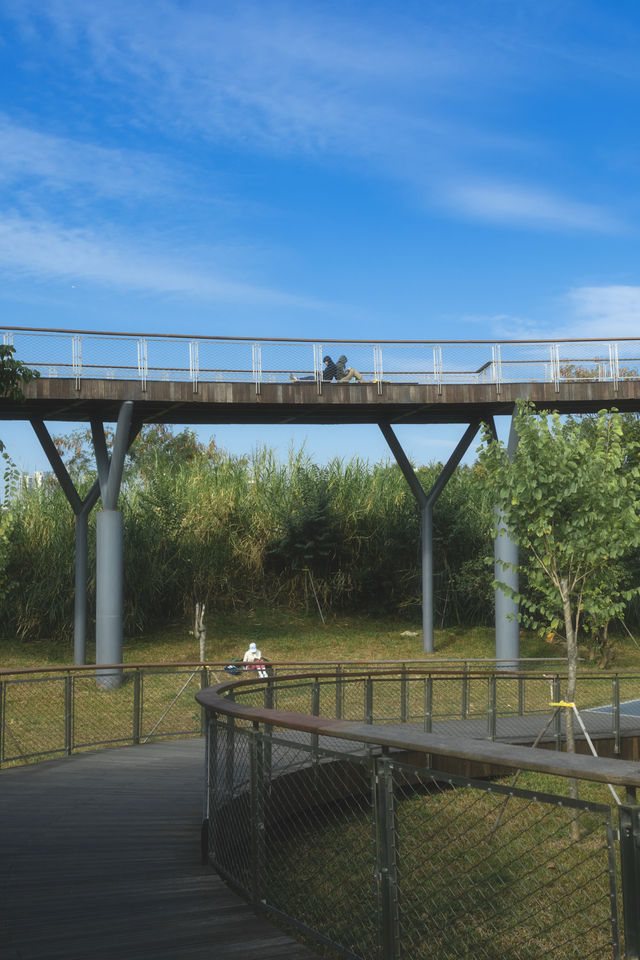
[482,704]
[59,711]
[376,852]
[143,357]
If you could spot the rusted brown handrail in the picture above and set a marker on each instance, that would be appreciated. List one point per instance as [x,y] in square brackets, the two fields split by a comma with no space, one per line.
[600,769]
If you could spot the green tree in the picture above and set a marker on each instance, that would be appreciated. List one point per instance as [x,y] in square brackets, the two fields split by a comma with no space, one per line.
[13,374]
[569,497]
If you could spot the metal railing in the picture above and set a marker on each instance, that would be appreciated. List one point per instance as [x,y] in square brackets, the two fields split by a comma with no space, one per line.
[57,711]
[147,357]
[386,846]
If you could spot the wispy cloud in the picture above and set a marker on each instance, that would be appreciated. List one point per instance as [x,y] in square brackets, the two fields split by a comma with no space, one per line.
[606,311]
[60,163]
[527,206]
[47,251]
[415,95]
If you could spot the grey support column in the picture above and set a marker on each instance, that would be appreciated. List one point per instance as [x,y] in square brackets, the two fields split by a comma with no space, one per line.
[81,508]
[426,502]
[109,541]
[506,569]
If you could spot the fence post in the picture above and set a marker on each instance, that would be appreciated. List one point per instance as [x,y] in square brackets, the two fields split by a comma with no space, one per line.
[615,684]
[3,693]
[268,729]
[339,693]
[137,705]
[387,855]
[204,683]
[315,712]
[404,711]
[428,704]
[231,748]
[368,700]
[68,714]
[629,818]
[256,800]
[557,721]
[465,692]
[521,700]
[492,711]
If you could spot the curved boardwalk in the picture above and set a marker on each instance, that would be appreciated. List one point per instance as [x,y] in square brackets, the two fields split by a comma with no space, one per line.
[100,858]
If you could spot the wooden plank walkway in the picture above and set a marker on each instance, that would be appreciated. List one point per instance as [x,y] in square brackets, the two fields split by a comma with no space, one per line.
[100,858]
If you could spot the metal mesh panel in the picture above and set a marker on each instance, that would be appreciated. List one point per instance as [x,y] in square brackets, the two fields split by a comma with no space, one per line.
[319,855]
[169,705]
[130,356]
[102,716]
[33,718]
[468,886]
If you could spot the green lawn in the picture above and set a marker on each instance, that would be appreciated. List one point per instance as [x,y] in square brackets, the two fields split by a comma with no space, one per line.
[285,636]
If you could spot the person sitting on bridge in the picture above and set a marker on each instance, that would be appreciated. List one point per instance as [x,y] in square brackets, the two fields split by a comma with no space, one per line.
[328,373]
[345,374]
[254,661]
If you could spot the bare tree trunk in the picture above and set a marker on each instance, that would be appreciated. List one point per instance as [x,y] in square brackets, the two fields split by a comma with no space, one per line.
[572,676]
[200,631]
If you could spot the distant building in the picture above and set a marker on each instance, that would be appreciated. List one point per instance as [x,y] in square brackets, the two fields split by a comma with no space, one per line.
[29,481]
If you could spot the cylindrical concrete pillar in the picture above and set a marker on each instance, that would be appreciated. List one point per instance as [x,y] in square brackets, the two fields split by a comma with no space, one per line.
[109,566]
[427,577]
[507,625]
[80,598]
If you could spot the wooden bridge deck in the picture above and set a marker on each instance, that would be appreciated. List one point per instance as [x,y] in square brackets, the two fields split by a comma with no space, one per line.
[100,858]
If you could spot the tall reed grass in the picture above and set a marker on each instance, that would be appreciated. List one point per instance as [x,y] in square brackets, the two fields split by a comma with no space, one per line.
[240,532]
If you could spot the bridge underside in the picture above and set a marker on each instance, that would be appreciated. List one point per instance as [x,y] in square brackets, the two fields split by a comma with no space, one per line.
[132,403]
[177,402]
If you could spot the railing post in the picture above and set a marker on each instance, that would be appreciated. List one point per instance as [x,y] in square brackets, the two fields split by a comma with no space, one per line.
[465,693]
[339,693]
[404,698]
[615,698]
[68,714]
[231,749]
[428,704]
[204,683]
[3,694]
[387,854]
[492,709]
[256,801]
[137,705]
[557,720]
[315,712]
[268,729]
[368,700]
[629,819]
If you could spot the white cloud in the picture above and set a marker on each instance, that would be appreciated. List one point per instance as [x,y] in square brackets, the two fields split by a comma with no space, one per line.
[61,163]
[49,252]
[528,206]
[606,311]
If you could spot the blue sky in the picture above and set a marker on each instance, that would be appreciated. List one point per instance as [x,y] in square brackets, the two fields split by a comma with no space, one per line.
[322,169]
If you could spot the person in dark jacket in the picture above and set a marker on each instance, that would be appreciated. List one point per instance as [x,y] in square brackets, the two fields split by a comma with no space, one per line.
[344,374]
[329,368]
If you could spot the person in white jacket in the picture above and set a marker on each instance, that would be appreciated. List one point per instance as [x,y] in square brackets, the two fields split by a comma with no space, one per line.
[254,661]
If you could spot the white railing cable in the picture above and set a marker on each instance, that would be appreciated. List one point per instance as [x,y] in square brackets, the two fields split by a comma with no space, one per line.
[256,363]
[143,364]
[194,363]
[76,349]
[614,364]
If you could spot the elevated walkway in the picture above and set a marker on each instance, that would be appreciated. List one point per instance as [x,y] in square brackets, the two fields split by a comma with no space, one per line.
[101,859]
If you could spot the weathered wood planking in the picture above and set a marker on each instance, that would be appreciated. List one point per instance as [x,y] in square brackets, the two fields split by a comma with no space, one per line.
[100,858]
[215,402]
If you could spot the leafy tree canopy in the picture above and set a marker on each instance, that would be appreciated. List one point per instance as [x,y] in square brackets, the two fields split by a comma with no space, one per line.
[569,497]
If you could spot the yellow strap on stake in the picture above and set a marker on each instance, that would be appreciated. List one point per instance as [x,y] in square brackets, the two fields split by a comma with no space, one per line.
[572,706]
